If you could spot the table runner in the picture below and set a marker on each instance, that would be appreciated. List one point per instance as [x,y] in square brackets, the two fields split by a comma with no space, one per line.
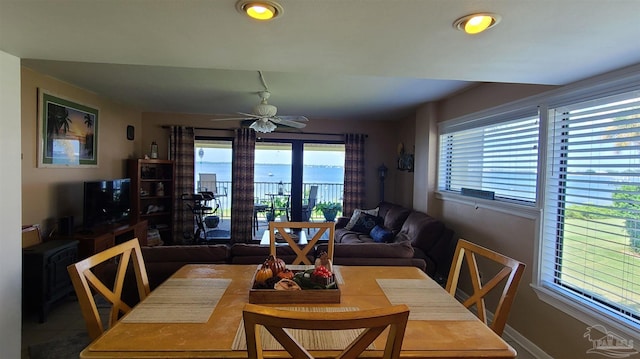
[180,300]
[309,339]
[425,298]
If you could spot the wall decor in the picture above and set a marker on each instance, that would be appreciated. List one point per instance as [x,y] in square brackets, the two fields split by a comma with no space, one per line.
[67,132]
[405,159]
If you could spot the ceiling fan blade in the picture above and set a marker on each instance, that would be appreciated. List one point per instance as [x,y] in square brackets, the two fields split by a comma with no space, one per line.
[293,118]
[289,123]
[229,119]
[249,115]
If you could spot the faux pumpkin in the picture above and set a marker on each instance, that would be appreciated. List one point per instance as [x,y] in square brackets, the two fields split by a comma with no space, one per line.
[285,274]
[276,265]
[263,273]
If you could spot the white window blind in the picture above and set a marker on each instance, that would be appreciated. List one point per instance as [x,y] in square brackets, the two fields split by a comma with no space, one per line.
[591,228]
[499,157]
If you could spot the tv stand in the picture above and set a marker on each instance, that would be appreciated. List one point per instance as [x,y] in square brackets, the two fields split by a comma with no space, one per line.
[96,239]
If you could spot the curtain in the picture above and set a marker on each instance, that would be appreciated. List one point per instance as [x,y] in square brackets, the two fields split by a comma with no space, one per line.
[182,152]
[244,145]
[354,191]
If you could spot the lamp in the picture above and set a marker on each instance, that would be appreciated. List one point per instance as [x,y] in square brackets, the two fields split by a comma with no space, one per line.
[263,125]
[382,173]
[260,10]
[476,23]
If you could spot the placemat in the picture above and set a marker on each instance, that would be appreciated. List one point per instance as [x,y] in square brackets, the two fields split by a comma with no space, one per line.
[180,300]
[309,339]
[426,299]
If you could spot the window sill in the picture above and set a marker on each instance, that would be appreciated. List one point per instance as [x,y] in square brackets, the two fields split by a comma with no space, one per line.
[587,312]
[530,212]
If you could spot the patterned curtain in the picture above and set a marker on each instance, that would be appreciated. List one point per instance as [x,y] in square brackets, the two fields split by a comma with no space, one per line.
[354,191]
[181,150]
[244,145]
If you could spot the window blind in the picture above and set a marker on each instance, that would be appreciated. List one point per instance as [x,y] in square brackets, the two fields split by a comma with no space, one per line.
[499,157]
[591,225]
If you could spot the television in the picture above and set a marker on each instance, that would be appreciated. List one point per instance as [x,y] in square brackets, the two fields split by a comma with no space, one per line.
[106,202]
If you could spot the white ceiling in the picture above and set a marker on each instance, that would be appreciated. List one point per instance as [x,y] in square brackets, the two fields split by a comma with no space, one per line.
[347,59]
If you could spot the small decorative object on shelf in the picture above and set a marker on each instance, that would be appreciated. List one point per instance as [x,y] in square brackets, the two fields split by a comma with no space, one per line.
[154,150]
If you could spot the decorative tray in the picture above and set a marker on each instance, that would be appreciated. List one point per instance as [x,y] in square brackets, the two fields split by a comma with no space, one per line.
[258,295]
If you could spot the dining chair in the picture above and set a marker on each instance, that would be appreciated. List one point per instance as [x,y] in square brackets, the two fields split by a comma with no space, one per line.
[309,204]
[510,270]
[85,282]
[373,321]
[302,252]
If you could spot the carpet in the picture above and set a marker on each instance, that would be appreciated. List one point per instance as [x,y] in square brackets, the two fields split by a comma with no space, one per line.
[64,348]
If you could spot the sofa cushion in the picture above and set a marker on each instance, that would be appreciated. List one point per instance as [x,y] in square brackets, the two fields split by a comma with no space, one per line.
[370,250]
[356,215]
[421,230]
[380,234]
[245,253]
[394,216]
[365,223]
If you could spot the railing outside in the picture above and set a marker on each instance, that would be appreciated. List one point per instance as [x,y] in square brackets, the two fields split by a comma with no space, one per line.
[327,192]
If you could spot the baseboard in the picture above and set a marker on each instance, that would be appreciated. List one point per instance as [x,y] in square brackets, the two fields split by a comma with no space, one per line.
[511,335]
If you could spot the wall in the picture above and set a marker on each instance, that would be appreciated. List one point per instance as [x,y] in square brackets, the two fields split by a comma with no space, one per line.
[50,193]
[11,255]
[380,146]
[556,333]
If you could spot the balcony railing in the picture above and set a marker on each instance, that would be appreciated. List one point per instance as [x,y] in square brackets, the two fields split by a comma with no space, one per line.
[327,192]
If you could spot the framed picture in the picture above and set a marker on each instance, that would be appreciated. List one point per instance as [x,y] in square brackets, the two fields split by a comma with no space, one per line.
[67,132]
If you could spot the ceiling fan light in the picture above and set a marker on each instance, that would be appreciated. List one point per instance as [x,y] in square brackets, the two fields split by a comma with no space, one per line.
[263,126]
[476,23]
[259,10]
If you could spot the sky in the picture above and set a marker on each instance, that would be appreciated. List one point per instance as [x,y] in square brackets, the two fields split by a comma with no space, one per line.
[327,158]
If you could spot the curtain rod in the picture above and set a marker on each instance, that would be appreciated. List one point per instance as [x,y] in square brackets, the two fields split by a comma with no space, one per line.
[299,133]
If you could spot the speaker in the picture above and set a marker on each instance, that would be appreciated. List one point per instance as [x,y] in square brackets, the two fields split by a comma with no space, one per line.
[130,132]
[65,226]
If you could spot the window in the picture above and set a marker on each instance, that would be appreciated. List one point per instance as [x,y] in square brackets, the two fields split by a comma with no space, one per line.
[591,226]
[499,157]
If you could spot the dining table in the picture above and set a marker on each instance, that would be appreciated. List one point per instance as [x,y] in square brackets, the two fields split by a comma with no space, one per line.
[197,313]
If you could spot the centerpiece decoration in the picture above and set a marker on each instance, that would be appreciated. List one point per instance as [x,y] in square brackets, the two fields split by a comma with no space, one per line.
[274,283]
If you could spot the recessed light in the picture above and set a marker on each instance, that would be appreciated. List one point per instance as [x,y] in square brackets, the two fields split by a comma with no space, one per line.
[476,23]
[259,10]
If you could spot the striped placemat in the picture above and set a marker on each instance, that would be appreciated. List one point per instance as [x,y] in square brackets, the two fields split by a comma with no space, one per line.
[425,298]
[309,339]
[180,300]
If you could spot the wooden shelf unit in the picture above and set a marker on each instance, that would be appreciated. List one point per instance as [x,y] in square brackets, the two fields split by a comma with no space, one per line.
[147,176]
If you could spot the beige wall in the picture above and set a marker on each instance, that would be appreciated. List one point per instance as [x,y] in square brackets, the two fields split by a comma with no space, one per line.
[10,242]
[381,142]
[556,333]
[50,193]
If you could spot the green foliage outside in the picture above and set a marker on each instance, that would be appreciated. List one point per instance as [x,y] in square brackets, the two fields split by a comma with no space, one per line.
[596,259]
[627,199]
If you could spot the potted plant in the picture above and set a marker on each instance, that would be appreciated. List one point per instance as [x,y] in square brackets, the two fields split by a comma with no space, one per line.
[329,210]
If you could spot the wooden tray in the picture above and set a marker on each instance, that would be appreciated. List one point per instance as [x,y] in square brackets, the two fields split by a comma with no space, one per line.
[305,296]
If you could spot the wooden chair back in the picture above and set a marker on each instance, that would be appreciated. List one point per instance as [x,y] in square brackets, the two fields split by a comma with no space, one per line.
[85,283]
[373,321]
[511,271]
[284,229]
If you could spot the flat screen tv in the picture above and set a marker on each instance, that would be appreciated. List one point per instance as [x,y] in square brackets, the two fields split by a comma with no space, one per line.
[106,202]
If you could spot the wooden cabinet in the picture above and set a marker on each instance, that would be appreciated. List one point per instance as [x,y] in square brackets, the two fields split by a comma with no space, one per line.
[152,194]
[100,238]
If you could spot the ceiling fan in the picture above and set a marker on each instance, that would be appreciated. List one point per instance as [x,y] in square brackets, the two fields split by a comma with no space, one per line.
[265,116]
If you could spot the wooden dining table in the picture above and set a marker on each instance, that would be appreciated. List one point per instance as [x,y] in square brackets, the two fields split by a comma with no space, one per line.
[197,313]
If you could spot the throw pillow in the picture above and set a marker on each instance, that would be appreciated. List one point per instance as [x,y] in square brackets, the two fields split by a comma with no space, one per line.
[381,235]
[356,215]
[365,223]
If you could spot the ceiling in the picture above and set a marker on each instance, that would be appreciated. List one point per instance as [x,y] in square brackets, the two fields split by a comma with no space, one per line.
[348,59]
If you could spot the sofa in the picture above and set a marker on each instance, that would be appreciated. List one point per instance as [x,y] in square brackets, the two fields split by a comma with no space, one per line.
[418,240]
[413,237]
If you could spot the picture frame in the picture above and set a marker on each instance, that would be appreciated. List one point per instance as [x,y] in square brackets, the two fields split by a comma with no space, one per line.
[67,132]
